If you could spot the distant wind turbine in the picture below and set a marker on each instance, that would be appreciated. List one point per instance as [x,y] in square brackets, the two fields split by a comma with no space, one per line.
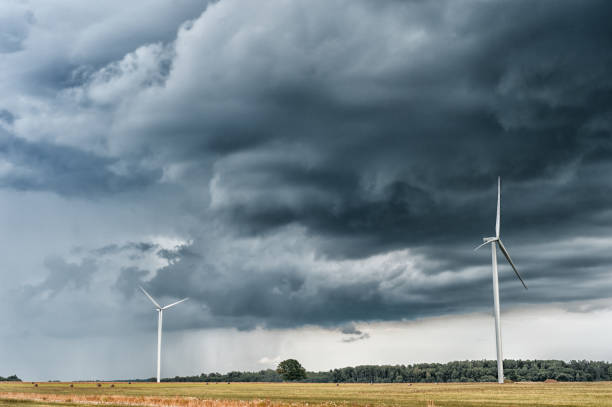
[495,242]
[160,310]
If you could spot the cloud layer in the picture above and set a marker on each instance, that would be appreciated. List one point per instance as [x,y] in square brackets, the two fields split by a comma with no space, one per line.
[304,163]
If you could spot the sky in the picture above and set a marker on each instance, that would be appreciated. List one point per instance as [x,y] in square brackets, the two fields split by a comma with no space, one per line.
[313,175]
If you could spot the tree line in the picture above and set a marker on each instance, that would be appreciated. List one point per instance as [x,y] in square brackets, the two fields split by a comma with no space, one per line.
[12,378]
[460,371]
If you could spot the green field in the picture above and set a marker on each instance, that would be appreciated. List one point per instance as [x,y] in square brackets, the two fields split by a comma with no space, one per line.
[298,394]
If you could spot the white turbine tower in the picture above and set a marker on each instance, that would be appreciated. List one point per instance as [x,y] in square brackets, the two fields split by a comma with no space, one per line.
[496,242]
[160,311]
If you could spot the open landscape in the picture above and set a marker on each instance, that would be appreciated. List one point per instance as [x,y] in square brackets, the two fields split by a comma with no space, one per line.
[302,394]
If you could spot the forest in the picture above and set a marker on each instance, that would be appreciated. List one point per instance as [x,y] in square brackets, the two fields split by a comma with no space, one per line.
[459,371]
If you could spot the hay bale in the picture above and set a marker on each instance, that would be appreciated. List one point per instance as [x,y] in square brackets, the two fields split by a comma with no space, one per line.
[99,385]
[35,384]
[112,385]
[71,385]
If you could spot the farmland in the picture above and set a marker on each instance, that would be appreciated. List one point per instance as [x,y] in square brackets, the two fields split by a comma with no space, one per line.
[302,394]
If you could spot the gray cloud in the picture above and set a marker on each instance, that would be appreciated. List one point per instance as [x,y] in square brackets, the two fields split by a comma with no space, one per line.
[15,22]
[66,170]
[6,116]
[63,275]
[356,338]
[353,334]
[350,330]
[129,280]
[129,246]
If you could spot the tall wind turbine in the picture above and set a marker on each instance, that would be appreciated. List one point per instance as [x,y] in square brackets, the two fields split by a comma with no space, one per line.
[160,315]
[496,242]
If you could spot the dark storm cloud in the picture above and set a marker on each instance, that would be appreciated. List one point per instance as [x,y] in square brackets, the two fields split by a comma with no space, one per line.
[290,294]
[65,170]
[401,151]
[287,293]
[526,98]
[325,146]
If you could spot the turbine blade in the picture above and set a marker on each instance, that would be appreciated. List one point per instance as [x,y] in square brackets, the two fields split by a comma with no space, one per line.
[505,252]
[151,298]
[485,243]
[174,303]
[498,207]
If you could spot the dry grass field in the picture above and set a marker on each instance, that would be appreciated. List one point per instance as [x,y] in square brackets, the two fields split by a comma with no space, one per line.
[298,395]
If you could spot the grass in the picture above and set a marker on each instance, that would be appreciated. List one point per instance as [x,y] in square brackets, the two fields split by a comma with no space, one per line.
[302,394]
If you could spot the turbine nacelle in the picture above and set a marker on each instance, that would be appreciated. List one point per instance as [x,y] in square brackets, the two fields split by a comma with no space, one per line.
[486,241]
[159,307]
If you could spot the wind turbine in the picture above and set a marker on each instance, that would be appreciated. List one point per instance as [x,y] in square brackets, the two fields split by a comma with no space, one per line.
[496,242]
[160,311]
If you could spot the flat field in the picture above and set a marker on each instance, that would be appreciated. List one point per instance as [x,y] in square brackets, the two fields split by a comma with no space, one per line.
[305,394]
